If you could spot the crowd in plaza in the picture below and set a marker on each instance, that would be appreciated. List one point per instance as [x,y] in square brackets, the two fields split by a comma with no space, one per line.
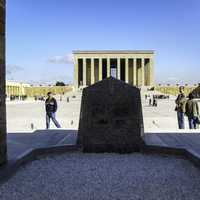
[17,97]
[153,99]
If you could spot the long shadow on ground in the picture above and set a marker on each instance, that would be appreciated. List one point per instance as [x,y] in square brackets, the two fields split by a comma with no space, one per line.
[18,143]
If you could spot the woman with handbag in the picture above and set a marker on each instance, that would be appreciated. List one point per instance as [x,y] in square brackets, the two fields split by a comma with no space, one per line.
[192,112]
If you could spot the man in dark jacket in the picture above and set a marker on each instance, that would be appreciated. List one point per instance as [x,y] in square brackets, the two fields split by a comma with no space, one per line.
[192,111]
[180,107]
[51,108]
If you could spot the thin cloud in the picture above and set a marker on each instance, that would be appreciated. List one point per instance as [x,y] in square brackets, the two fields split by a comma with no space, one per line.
[51,80]
[66,59]
[12,69]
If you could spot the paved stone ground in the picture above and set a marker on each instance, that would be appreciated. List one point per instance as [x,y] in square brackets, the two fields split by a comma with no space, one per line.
[162,118]
[189,141]
[20,115]
[105,177]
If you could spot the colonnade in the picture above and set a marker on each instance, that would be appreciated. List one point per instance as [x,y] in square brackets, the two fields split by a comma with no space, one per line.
[132,70]
[13,90]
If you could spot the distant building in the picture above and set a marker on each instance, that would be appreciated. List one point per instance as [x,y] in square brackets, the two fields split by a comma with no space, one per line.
[134,67]
[14,88]
[41,91]
[18,89]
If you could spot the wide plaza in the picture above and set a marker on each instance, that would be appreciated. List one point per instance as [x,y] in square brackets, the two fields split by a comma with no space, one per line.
[28,116]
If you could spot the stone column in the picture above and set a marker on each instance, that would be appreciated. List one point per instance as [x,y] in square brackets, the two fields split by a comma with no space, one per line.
[142,72]
[76,73]
[126,70]
[100,69]
[92,71]
[118,69]
[108,67]
[151,72]
[135,71]
[84,72]
[3,139]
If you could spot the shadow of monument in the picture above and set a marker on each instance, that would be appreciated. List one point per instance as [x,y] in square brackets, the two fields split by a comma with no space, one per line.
[18,143]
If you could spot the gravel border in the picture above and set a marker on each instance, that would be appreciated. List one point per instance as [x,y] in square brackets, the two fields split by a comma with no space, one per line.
[104,176]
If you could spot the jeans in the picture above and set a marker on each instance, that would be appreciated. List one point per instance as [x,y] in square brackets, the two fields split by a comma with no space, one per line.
[52,116]
[192,122]
[180,117]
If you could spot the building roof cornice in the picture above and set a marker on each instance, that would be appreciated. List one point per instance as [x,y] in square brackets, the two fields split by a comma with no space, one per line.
[113,52]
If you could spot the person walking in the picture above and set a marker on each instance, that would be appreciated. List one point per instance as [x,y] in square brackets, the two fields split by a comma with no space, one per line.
[51,108]
[180,107]
[192,112]
[150,101]
[154,101]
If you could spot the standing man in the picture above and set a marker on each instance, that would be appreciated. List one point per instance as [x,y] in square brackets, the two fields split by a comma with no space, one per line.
[180,107]
[192,112]
[51,108]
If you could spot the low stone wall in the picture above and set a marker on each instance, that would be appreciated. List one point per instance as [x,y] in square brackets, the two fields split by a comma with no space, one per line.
[42,90]
[173,90]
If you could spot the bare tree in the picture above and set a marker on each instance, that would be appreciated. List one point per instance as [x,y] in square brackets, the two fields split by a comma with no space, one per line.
[3,143]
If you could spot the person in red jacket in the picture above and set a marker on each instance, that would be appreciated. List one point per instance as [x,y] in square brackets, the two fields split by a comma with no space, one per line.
[51,108]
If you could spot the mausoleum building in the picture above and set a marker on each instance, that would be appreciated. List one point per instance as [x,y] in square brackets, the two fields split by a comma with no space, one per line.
[134,67]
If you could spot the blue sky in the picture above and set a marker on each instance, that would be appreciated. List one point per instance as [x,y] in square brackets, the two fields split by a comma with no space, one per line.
[41,35]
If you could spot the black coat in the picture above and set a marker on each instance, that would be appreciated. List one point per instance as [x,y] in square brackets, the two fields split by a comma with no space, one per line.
[51,105]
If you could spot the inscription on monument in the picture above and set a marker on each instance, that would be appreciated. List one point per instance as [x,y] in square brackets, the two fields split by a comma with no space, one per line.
[111,117]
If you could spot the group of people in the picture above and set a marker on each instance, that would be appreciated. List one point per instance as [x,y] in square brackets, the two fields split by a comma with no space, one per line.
[188,107]
[17,97]
[152,101]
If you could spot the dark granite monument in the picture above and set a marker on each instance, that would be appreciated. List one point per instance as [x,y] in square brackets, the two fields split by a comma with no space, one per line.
[111,118]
